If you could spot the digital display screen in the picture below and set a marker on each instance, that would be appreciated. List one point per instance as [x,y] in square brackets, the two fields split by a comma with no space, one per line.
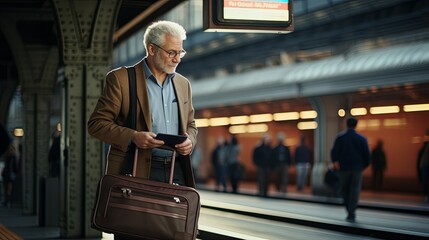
[256,10]
[257,16]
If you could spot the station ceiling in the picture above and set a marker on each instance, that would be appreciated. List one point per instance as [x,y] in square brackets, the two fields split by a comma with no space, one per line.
[133,15]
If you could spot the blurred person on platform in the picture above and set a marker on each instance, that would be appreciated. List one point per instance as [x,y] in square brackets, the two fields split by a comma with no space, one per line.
[280,162]
[235,170]
[5,140]
[219,164]
[54,156]
[378,164]
[261,158]
[350,155]
[9,173]
[196,158]
[423,166]
[303,162]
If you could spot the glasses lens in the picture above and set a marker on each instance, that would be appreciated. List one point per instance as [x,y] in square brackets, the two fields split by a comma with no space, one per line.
[173,54]
[182,53]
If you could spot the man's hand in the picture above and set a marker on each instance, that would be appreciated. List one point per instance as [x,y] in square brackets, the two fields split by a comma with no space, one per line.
[146,140]
[336,166]
[185,147]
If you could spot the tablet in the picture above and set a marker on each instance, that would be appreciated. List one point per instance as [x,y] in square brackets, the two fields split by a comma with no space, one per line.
[170,140]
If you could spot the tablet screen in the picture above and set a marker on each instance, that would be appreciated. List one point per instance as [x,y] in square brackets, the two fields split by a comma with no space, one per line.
[170,140]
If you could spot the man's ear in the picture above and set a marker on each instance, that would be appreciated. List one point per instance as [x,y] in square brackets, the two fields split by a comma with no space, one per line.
[151,49]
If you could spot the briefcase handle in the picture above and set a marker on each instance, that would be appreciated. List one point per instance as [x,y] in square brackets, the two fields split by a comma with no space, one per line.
[173,161]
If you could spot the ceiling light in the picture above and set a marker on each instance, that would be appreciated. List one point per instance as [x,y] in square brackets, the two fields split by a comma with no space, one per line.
[257,118]
[220,121]
[18,132]
[308,114]
[284,116]
[416,107]
[384,110]
[202,122]
[358,111]
[239,120]
[307,125]
[257,128]
[237,129]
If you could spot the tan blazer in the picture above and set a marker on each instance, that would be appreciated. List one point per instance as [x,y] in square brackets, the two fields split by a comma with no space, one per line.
[109,119]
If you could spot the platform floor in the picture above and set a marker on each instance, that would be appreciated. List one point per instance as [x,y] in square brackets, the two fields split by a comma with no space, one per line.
[309,220]
[367,197]
[301,205]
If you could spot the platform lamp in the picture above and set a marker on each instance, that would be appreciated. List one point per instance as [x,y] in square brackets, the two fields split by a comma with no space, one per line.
[18,132]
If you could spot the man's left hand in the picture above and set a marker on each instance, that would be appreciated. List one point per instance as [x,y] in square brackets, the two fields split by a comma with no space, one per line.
[184,148]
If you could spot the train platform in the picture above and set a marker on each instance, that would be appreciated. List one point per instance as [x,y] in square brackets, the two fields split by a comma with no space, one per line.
[368,198]
[244,217]
[297,213]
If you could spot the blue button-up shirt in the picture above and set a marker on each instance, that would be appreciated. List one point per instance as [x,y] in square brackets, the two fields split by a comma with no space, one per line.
[163,107]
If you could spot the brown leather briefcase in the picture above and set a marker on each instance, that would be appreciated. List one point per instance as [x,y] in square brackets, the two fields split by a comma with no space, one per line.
[145,209]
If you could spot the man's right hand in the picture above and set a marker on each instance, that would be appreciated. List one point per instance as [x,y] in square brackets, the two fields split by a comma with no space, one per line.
[146,140]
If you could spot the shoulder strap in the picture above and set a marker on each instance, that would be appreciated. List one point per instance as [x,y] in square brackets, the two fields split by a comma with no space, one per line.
[133,95]
[132,118]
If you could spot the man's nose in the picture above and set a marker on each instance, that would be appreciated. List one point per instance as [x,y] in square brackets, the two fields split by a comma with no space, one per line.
[176,59]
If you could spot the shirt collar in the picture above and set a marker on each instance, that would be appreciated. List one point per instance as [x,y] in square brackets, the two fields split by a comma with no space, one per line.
[150,76]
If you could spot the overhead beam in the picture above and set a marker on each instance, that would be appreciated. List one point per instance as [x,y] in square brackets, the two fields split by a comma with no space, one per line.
[137,20]
[155,10]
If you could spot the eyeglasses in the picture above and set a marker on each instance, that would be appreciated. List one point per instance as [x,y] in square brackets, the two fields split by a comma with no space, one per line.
[173,54]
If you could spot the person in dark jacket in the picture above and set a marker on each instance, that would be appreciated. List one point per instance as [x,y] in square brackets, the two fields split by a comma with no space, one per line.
[303,162]
[423,166]
[378,163]
[9,173]
[261,158]
[4,140]
[234,169]
[54,156]
[350,155]
[219,164]
[281,160]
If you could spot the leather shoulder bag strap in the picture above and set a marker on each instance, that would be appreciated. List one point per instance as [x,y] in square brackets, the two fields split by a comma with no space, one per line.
[132,118]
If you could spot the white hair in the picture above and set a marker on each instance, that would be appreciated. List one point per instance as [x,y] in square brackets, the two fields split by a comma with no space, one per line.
[156,31]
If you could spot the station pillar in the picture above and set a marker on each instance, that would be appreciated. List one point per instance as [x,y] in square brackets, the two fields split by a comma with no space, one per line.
[329,124]
[86,29]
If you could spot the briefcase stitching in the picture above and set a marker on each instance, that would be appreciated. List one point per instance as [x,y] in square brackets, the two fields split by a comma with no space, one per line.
[147,210]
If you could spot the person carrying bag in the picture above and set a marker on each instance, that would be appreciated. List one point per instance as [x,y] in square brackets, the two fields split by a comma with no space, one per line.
[163,104]
[124,202]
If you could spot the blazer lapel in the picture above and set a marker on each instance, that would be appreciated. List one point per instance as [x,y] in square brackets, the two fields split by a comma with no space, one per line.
[142,94]
[178,88]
